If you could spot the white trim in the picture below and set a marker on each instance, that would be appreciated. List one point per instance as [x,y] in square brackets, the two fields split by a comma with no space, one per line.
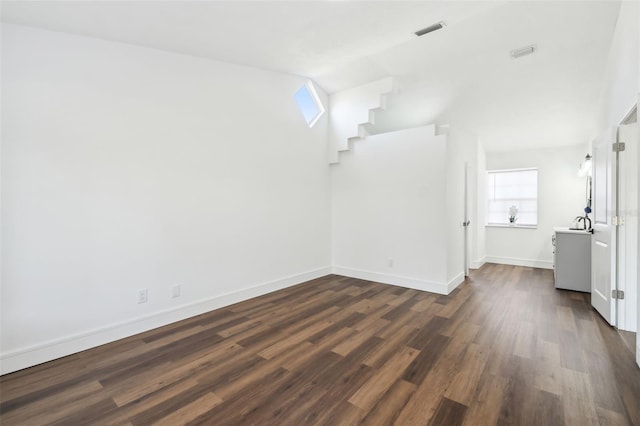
[504,225]
[637,351]
[455,282]
[531,263]
[37,354]
[415,283]
[477,264]
[525,169]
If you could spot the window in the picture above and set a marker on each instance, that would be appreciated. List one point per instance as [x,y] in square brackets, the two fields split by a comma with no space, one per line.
[512,197]
[309,103]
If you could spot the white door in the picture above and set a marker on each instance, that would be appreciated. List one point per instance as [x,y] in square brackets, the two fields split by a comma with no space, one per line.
[603,241]
[628,231]
[466,222]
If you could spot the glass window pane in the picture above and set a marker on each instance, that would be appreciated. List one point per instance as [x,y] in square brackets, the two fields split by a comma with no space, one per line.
[309,104]
[512,189]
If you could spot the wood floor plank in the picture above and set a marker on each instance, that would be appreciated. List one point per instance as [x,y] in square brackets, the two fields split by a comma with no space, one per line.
[341,381]
[526,340]
[553,412]
[372,317]
[382,352]
[433,328]
[485,407]
[358,338]
[43,408]
[388,408]
[423,305]
[548,374]
[517,405]
[244,403]
[464,384]
[611,418]
[579,406]
[292,398]
[191,411]
[288,342]
[147,403]
[137,388]
[624,370]
[85,412]
[449,413]
[318,349]
[424,362]
[505,347]
[369,394]
[255,374]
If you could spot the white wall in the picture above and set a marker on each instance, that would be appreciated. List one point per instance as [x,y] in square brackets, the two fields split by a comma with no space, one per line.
[351,108]
[620,86]
[388,203]
[561,197]
[479,252]
[126,168]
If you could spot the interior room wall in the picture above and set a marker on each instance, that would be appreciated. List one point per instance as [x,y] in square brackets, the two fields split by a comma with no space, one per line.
[561,197]
[351,108]
[387,210]
[126,168]
[620,82]
[479,249]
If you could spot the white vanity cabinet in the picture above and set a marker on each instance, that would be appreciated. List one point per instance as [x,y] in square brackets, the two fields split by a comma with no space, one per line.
[572,259]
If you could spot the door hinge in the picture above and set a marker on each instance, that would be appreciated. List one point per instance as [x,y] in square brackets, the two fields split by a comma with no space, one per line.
[619,147]
[617,220]
[617,294]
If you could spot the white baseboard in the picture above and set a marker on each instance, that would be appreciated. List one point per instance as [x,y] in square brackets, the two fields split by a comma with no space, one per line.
[455,282]
[418,284]
[477,264]
[37,354]
[532,263]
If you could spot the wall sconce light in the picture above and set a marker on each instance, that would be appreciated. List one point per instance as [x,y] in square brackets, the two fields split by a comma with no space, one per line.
[585,170]
[585,167]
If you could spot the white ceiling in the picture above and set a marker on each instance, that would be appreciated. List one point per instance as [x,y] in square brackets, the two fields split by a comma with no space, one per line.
[462,74]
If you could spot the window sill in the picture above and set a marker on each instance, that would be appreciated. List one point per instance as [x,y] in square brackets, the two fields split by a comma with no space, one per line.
[495,225]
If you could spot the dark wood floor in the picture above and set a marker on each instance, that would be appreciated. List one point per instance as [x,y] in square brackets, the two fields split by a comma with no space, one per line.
[504,348]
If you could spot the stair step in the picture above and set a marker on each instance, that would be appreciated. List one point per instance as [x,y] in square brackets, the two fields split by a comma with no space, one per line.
[362,102]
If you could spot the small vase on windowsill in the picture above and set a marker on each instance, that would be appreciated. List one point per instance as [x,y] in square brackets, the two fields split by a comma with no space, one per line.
[513,215]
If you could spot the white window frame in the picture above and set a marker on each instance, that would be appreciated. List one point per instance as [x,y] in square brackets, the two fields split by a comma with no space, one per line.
[506,222]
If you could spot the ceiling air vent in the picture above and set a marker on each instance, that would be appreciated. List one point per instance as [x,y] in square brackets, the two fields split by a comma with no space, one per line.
[430,29]
[523,51]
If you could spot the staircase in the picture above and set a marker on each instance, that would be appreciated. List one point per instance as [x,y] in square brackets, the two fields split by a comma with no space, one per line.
[353,112]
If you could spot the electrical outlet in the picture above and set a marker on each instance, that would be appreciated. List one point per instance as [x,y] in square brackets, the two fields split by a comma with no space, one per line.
[142,295]
[175,290]
[390,263]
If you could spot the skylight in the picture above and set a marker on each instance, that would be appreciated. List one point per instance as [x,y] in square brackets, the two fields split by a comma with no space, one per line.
[309,103]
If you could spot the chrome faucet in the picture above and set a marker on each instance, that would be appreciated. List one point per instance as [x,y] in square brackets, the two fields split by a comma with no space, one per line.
[586,223]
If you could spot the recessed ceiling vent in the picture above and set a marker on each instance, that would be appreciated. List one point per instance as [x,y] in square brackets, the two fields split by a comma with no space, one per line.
[430,29]
[523,51]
